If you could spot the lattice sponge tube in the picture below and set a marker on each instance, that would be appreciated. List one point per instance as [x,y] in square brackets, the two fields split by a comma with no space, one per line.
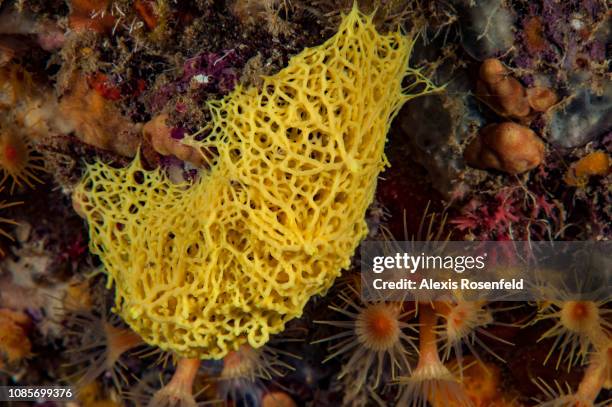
[201,269]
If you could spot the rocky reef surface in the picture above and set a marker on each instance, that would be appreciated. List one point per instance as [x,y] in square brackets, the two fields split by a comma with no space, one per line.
[517,147]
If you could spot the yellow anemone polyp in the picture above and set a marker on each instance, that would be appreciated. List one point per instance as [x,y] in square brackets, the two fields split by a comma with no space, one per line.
[203,268]
[17,160]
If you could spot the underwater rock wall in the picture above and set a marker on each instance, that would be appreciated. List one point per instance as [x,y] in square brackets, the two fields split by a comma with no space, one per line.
[185,186]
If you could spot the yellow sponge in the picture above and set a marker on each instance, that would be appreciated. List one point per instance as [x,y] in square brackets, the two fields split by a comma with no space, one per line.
[200,269]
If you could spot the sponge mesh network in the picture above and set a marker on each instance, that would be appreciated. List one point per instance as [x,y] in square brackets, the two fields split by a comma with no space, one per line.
[201,268]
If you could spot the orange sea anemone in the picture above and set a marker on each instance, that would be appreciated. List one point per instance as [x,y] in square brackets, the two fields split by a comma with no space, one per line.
[246,370]
[17,160]
[374,340]
[431,381]
[579,326]
[463,322]
[179,390]
[98,344]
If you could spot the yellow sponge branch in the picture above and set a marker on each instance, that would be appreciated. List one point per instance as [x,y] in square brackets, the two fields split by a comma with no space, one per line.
[202,269]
